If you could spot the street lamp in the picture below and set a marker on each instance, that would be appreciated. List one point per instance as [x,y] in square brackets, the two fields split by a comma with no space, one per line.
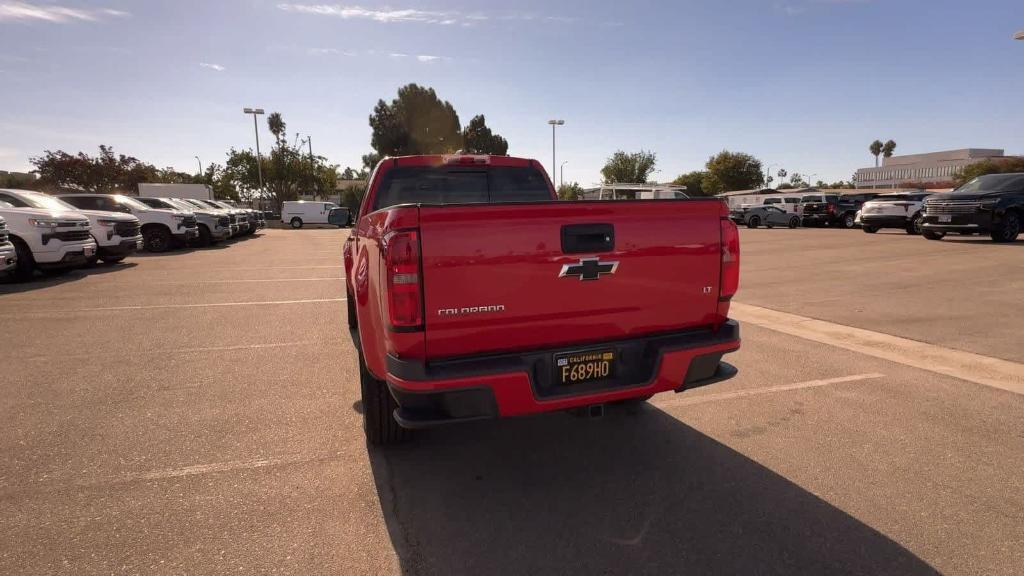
[767,175]
[256,127]
[200,166]
[809,177]
[561,177]
[554,123]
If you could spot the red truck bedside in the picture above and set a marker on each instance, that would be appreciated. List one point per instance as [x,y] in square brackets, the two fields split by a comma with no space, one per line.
[475,294]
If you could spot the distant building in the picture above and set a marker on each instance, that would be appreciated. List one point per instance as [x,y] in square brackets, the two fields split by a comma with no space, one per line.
[934,167]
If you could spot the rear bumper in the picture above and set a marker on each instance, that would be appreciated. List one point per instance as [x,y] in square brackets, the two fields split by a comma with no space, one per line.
[519,384]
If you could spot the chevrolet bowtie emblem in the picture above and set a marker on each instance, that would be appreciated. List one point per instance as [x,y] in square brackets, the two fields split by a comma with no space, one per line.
[588,269]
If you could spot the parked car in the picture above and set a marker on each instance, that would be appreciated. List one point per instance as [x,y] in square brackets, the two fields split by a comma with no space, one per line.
[299,213]
[476,294]
[214,225]
[831,210]
[117,235]
[45,239]
[251,216]
[790,204]
[161,229]
[341,214]
[768,215]
[240,216]
[8,256]
[194,204]
[903,210]
[991,204]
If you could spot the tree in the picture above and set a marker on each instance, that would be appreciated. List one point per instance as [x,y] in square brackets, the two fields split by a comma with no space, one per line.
[732,171]
[797,180]
[572,191]
[105,173]
[634,168]
[887,149]
[782,174]
[876,148]
[352,197]
[694,182]
[477,138]
[416,122]
[370,162]
[276,125]
[984,167]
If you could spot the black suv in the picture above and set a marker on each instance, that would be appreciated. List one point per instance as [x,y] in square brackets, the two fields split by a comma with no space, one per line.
[992,204]
[832,210]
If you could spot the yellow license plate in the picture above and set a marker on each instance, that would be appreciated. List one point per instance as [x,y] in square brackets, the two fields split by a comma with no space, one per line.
[579,367]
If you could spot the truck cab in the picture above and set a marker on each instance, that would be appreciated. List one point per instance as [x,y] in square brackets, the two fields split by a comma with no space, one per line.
[162,229]
[48,239]
[476,294]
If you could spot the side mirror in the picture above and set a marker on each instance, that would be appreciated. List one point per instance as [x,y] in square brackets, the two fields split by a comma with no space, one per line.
[338,217]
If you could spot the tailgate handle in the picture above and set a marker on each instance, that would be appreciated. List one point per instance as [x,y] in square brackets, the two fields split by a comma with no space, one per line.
[587,238]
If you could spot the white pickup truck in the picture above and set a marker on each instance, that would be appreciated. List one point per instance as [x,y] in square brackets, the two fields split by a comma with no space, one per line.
[161,229]
[45,239]
[117,235]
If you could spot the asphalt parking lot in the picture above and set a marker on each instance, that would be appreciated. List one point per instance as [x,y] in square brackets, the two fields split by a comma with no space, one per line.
[197,412]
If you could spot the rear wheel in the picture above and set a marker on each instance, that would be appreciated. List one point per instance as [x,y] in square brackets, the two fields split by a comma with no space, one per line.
[794,222]
[849,221]
[378,410]
[1008,230]
[156,239]
[931,235]
[754,222]
[296,223]
[914,226]
[869,229]
[26,264]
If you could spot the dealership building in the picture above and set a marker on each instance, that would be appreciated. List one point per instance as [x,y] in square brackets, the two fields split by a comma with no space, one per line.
[931,168]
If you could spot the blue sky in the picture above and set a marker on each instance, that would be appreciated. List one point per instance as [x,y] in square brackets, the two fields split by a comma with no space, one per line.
[802,84]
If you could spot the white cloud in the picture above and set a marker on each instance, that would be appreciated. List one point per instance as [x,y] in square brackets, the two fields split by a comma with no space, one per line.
[398,55]
[390,15]
[24,11]
[428,59]
[216,67]
[321,51]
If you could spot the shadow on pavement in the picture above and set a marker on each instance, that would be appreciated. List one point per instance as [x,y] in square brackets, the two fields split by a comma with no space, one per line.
[40,281]
[637,492]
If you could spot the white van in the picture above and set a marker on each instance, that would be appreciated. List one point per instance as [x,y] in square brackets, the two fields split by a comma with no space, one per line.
[296,214]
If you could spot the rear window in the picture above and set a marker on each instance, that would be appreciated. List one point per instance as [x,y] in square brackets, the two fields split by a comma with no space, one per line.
[456,185]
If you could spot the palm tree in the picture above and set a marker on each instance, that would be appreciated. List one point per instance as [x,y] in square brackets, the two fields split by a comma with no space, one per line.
[276,125]
[876,149]
[887,148]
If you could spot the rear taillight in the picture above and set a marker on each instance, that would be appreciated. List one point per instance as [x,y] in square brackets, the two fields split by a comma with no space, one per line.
[405,298]
[730,261]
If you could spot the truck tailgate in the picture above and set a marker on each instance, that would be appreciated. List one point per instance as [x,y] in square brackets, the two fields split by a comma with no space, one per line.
[494,276]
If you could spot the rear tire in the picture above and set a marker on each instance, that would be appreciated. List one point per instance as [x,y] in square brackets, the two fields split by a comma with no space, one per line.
[1008,230]
[849,221]
[929,234]
[378,410]
[869,229]
[113,259]
[26,265]
[157,239]
[794,222]
[753,222]
[350,305]
[296,223]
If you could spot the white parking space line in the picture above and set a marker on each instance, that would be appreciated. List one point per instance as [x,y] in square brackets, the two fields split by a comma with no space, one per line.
[227,466]
[689,401]
[210,305]
[985,370]
[165,352]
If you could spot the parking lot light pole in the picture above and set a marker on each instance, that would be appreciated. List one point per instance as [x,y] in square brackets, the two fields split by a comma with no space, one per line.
[561,174]
[554,124]
[256,127]
[200,166]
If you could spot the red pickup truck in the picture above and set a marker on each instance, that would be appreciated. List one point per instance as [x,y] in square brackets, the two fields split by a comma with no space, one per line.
[473,293]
